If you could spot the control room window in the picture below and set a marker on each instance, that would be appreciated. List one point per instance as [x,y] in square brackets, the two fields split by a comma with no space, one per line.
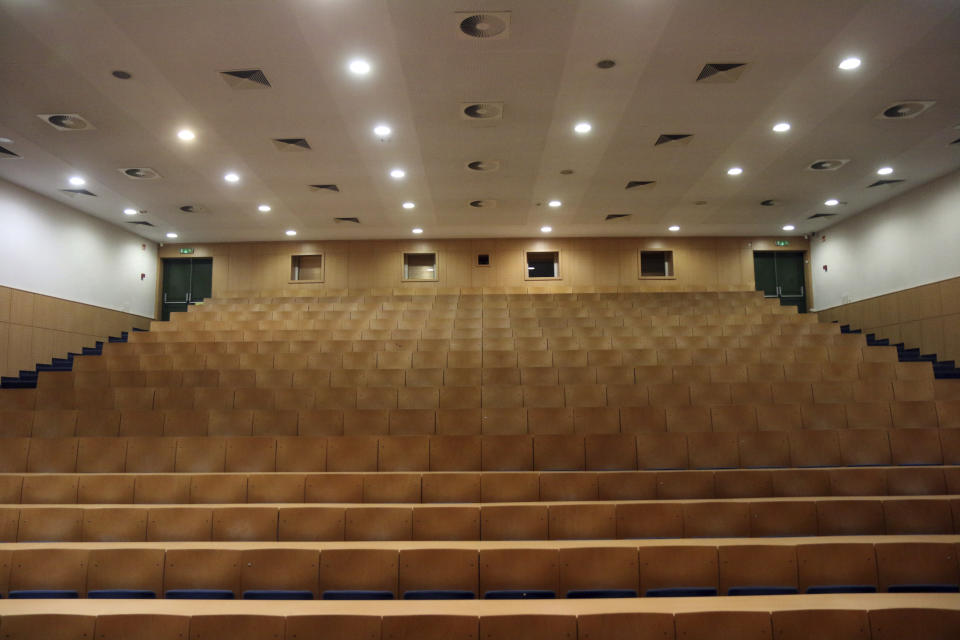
[542,265]
[656,264]
[419,267]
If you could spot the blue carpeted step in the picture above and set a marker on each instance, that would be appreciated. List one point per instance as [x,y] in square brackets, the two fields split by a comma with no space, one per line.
[17,383]
[947,375]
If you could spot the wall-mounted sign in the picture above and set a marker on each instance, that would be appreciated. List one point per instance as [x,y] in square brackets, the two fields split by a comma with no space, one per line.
[779,243]
[186,250]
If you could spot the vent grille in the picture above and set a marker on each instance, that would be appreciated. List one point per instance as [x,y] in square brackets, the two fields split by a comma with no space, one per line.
[66,121]
[194,208]
[483,204]
[482,110]
[722,72]
[827,165]
[640,184]
[78,192]
[291,144]
[492,25]
[682,138]
[142,223]
[324,187]
[246,79]
[957,141]
[617,216]
[883,183]
[821,215]
[906,110]
[483,165]
[769,203]
[140,173]
[342,220]
[7,154]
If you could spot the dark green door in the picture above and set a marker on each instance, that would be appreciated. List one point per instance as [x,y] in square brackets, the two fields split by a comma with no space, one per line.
[185,281]
[780,274]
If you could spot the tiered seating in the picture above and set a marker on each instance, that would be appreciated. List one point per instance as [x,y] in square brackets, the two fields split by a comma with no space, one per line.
[605,448]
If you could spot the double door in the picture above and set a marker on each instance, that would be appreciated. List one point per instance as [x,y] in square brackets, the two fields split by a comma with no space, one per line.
[185,282]
[780,274]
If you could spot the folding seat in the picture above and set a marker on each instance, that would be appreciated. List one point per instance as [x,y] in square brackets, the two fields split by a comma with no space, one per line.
[257,454]
[713,450]
[141,423]
[850,517]
[823,624]
[188,524]
[662,451]
[47,573]
[627,486]
[930,516]
[279,574]
[450,487]
[334,488]
[743,484]
[860,447]
[10,489]
[218,489]
[649,520]
[438,574]
[201,455]
[125,573]
[391,488]
[814,449]
[836,568]
[352,453]
[459,397]
[558,452]
[404,453]
[115,525]
[918,567]
[783,518]
[914,415]
[455,453]
[366,422]
[378,523]
[621,626]
[716,519]
[142,625]
[582,521]
[509,487]
[312,627]
[678,571]
[358,574]
[559,487]
[202,574]
[241,524]
[916,482]
[603,572]
[519,573]
[547,421]
[311,524]
[49,489]
[927,623]
[320,422]
[685,485]
[915,446]
[16,423]
[48,626]
[688,419]
[764,449]
[42,524]
[446,523]
[514,522]
[757,570]
[948,413]
[724,625]
[54,423]
[209,398]
[52,455]
[507,453]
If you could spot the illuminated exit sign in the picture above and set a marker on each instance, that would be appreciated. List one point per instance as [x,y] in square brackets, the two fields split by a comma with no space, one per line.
[189,250]
[780,243]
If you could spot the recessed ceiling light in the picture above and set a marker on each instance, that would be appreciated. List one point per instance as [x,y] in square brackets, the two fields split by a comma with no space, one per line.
[554,203]
[408,205]
[884,171]
[77,181]
[171,235]
[848,64]
[781,127]
[129,211]
[416,230]
[546,229]
[832,202]
[788,227]
[734,171]
[582,127]
[186,135]
[397,173]
[383,131]
[6,140]
[673,228]
[231,177]
[120,74]
[359,67]
[263,208]
[290,232]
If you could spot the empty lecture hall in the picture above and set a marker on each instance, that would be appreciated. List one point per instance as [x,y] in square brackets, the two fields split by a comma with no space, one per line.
[432,320]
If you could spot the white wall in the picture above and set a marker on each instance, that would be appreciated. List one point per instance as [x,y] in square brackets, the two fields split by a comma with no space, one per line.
[49,248]
[906,242]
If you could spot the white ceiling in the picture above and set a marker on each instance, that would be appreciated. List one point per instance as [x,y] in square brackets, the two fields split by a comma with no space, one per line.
[56,56]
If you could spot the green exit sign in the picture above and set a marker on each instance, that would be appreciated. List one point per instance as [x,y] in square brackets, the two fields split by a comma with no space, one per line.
[780,243]
[189,250]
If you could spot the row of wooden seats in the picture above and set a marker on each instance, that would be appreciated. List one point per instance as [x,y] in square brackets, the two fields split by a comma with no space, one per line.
[645,451]
[894,619]
[926,515]
[475,487]
[478,571]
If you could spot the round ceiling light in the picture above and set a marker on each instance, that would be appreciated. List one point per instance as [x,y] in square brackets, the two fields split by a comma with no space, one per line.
[734,171]
[359,67]
[582,127]
[848,64]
